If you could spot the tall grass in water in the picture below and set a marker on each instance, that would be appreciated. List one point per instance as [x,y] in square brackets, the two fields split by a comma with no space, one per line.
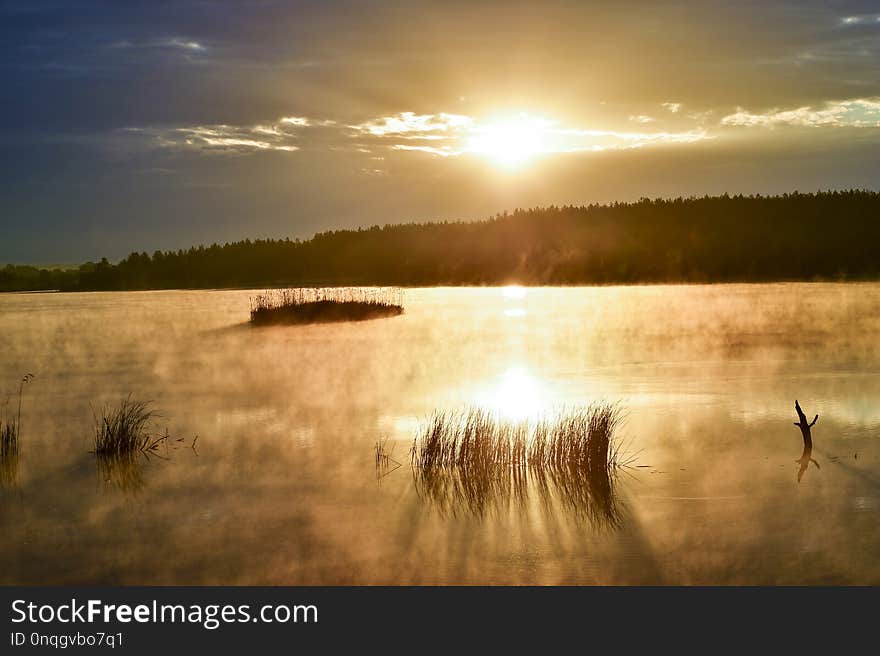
[385,461]
[10,432]
[125,429]
[319,305]
[9,449]
[472,460]
[125,440]
[477,440]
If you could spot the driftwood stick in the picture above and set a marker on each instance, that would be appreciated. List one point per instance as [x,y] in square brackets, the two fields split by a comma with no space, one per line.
[804,425]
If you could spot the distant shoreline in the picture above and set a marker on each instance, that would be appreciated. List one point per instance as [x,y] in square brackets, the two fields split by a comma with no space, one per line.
[817,237]
[726,283]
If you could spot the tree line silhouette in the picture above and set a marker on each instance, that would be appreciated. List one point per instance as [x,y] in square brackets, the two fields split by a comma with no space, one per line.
[797,236]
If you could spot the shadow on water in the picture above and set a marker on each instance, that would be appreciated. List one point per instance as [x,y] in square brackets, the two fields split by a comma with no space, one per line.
[231,329]
[9,460]
[121,472]
[588,496]
[124,471]
[806,431]
[804,462]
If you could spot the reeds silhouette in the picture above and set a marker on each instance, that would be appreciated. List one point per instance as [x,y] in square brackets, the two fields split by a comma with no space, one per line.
[10,432]
[126,429]
[320,305]
[9,448]
[474,461]
[125,440]
[385,461]
[476,439]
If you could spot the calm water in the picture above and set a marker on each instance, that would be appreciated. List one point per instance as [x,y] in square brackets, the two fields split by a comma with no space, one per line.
[282,488]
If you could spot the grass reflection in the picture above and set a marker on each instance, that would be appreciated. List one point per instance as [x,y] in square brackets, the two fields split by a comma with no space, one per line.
[590,498]
[9,461]
[475,462]
[121,471]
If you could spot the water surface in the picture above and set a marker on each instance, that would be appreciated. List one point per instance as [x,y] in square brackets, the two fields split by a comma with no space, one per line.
[282,487]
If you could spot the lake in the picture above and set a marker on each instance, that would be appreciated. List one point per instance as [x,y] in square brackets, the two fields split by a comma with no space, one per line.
[281,486]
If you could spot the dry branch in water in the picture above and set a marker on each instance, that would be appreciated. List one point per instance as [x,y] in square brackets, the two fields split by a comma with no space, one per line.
[807,433]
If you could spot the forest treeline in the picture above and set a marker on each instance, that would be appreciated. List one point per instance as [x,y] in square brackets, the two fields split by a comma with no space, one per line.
[826,235]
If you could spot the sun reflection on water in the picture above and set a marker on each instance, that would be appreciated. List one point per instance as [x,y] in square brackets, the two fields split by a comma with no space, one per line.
[513,291]
[515,395]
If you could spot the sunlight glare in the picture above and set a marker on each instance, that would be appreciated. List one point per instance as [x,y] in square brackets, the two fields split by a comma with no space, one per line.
[517,395]
[511,142]
[513,291]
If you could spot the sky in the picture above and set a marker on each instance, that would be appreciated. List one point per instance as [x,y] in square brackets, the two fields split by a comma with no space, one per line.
[136,126]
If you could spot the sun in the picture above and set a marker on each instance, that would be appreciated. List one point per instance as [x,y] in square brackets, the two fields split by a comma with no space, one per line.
[510,142]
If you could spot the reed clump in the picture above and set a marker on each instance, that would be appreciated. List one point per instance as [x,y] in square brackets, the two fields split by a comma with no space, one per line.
[10,433]
[9,450]
[126,440]
[322,305]
[477,440]
[473,461]
[126,429]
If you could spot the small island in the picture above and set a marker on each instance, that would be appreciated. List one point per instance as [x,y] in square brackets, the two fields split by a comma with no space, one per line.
[317,305]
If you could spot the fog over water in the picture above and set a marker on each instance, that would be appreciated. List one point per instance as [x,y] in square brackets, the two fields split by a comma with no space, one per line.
[281,487]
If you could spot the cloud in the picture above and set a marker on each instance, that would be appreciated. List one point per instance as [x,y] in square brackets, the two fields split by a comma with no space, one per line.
[440,135]
[442,151]
[298,121]
[279,136]
[672,107]
[408,122]
[518,135]
[858,112]
[177,43]
[539,136]
[615,140]
[230,138]
[860,20]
